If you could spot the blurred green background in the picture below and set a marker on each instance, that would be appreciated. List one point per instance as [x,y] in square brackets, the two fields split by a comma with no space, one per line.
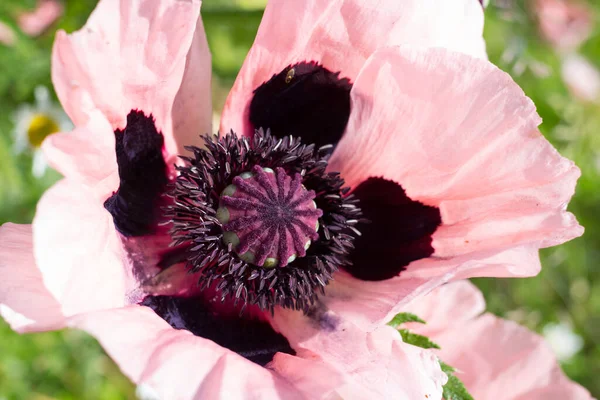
[535,41]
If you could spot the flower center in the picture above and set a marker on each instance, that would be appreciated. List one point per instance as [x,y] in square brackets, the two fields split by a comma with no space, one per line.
[268,217]
[41,125]
[246,228]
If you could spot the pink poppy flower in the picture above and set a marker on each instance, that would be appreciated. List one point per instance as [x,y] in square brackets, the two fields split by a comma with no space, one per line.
[468,190]
[581,77]
[564,23]
[35,22]
[279,273]
[491,355]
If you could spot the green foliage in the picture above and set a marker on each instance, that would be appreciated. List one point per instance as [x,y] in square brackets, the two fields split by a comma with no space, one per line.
[417,340]
[67,365]
[454,389]
[404,317]
[230,34]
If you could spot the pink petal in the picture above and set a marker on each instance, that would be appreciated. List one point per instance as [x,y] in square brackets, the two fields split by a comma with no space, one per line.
[87,153]
[25,302]
[507,359]
[77,249]
[131,55]
[581,77]
[179,365]
[175,363]
[192,109]
[566,24]
[458,133]
[491,355]
[37,21]
[373,364]
[497,356]
[369,304]
[447,306]
[309,375]
[342,34]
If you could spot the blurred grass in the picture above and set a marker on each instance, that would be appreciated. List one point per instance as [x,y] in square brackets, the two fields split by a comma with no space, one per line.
[71,365]
[67,365]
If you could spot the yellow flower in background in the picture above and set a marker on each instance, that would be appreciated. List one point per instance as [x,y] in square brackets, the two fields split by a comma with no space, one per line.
[33,123]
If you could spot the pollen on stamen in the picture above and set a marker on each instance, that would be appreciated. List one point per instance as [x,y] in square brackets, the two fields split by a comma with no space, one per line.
[268,217]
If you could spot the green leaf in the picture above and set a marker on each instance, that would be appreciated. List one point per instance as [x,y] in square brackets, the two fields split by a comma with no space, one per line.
[404,317]
[417,340]
[454,389]
[447,369]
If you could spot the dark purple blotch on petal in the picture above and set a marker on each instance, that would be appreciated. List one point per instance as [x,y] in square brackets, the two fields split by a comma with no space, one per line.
[323,320]
[399,231]
[305,100]
[143,178]
[252,339]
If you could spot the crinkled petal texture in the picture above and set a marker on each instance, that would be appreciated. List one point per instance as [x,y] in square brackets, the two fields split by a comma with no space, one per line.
[175,363]
[335,358]
[25,302]
[491,355]
[138,54]
[347,364]
[86,154]
[375,365]
[84,285]
[130,55]
[457,133]
[78,250]
[342,34]
[75,270]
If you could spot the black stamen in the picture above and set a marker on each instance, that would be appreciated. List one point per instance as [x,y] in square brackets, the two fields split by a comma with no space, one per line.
[213,252]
